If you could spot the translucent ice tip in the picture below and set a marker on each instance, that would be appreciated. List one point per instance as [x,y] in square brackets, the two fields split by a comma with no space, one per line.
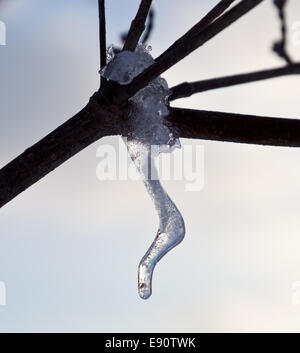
[145,280]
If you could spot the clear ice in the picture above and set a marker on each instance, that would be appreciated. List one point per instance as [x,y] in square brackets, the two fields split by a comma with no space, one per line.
[149,135]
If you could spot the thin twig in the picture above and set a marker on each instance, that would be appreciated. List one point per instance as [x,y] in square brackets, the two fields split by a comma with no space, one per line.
[137,26]
[148,31]
[150,26]
[205,21]
[241,128]
[102,36]
[186,89]
[184,48]
[280,47]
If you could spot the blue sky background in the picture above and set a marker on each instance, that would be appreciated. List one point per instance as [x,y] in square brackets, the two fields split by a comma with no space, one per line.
[70,245]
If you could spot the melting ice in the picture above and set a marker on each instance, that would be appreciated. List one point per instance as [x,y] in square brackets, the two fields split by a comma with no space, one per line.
[149,135]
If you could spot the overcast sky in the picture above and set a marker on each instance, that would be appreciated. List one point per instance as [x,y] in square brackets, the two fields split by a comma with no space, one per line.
[70,245]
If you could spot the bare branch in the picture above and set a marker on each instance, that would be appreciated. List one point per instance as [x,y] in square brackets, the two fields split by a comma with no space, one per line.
[102,36]
[219,126]
[137,26]
[186,89]
[205,21]
[280,46]
[86,127]
[149,28]
[184,48]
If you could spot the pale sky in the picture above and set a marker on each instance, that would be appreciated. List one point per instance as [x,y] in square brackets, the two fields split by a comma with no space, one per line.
[70,245]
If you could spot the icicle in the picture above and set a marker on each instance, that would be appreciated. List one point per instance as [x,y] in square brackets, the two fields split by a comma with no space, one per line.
[149,135]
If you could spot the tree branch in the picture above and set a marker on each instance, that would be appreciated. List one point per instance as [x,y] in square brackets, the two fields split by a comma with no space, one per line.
[95,121]
[219,126]
[183,48]
[149,28]
[186,89]
[86,127]
[205,21]
[102,36]
[280,47]
[105,115]
[137,26]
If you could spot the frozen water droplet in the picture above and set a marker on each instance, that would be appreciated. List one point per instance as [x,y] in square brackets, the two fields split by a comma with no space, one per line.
[110,53]
[125,65]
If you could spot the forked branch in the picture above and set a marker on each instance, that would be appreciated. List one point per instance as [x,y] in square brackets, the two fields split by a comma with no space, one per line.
[94,122]
[183,48]
[104,114]
[279,47]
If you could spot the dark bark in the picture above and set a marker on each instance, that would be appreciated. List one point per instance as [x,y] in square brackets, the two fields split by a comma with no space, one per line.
[137,26]
[219,126]
[149,27]
[205,21]
[183,48]
[86,127]
[95,121]
[106,112]
[102,36]
[186,89]
[279,47]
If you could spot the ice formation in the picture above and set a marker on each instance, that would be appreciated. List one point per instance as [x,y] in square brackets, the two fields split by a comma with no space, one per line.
[149,135]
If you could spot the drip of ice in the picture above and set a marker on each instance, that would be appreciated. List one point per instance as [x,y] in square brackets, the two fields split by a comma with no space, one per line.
[149,135]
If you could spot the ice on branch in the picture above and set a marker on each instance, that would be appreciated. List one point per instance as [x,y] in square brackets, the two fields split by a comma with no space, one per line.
[149,134]
[135,63]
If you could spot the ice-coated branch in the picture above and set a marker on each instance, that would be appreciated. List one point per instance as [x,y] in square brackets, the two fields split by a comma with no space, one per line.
[102,36]
[104,115]
[186,89]
[137,26]
[183,48]
[279,47]
[94,122]
[86,127]
[241,128]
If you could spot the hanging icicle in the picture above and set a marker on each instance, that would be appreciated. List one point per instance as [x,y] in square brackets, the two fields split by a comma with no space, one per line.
[149,135]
